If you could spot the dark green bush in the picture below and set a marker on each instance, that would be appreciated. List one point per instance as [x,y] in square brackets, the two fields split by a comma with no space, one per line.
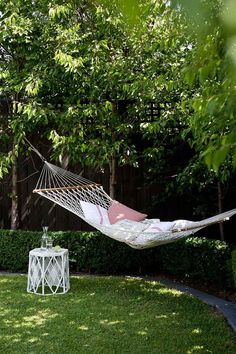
[15,247]
[199,259]
[195,258]
[88,251]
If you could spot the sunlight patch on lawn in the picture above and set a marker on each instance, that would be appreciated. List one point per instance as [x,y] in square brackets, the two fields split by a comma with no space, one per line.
[196,331]
[131,279]
[13,338]
[37,320]
[162,316]
[156,287]
[111,323]
[6,280]
[31,321]
[166,291]
[83,328]
[143,332]
[198,348]
[4,312]
[45,334]
[33,340]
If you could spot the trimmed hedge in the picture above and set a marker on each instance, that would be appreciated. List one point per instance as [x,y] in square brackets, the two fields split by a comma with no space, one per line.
[88,252]
[194,258]
[199,259]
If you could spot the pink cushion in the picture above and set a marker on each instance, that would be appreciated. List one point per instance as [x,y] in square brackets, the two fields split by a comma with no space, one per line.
[118,211]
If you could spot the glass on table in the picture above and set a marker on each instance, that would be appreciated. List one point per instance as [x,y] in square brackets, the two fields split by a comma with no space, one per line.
[44,239]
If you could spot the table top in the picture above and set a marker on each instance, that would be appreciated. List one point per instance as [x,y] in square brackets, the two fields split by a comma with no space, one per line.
[47,253]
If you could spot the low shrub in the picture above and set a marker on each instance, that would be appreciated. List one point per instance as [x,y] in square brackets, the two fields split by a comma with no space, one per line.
[199,258]
[15,247]
[195,258]
[88,252]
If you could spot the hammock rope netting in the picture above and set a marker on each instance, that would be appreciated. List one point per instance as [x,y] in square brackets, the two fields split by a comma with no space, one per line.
[90,202]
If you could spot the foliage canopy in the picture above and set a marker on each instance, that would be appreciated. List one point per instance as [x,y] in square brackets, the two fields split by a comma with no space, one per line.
[82,74]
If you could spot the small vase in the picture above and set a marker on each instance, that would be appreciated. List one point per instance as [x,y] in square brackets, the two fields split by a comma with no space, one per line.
[44,238]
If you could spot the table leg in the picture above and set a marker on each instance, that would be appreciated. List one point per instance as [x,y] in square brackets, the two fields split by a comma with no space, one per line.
[43,274]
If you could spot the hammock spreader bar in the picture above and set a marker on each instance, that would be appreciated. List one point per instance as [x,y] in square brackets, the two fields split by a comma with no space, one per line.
[65,188]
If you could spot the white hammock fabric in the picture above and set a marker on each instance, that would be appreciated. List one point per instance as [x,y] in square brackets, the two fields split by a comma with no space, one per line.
[91,203]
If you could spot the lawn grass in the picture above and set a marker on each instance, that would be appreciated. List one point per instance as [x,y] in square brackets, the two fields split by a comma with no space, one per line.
[109,315]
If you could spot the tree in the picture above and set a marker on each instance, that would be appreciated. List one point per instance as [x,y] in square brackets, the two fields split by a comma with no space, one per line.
[213,69]
[196,123]
[82,75]
[212,66]
[19,53]
[86,87]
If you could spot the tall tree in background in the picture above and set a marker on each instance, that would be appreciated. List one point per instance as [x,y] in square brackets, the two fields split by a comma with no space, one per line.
[81,71]
[210,76]
[20,51]
[213,70]
[201,115]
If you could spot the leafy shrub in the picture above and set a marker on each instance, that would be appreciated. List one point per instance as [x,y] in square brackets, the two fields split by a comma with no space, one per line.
[88,251]
[199,259]
[194,258]
[15,247]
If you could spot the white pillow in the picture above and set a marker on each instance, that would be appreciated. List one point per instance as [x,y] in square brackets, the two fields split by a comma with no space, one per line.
[95,213]
[160,226]
[150,221]
[182,224]
[129,225]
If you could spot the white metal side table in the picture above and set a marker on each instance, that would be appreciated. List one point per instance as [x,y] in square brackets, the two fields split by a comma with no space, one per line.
[48,272]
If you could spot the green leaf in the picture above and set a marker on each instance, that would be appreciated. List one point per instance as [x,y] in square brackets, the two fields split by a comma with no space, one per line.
[190,77]
[234,159]
[208,159]
[219,157]
[212,105]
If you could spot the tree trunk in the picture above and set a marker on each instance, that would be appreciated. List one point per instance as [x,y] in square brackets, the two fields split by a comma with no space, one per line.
[112,165]
[220,209]
[112,188]
[65,160]
[14,195]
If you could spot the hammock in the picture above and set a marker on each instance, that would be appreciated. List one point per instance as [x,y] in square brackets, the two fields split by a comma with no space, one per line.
[91,203]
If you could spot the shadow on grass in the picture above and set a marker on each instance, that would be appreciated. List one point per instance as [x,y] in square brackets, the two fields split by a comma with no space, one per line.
[109,315]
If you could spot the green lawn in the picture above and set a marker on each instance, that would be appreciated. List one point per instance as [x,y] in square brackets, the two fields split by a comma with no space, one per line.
[109,315]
